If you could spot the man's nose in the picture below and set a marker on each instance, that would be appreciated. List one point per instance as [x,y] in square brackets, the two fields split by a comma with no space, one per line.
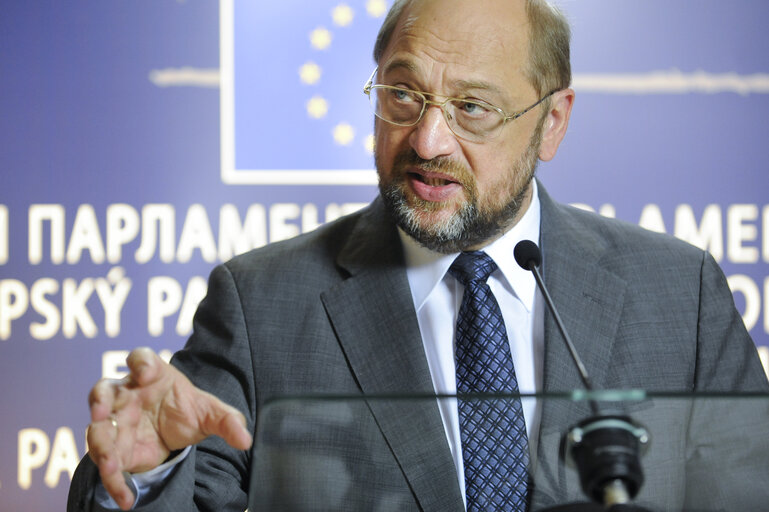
[432,136]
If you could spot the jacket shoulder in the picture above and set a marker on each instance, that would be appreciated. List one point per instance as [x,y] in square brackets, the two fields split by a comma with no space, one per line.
[609,236]
[319,247]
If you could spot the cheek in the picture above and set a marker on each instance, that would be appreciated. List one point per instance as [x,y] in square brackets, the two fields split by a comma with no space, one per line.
[387,144]
[490,169]
[495,171]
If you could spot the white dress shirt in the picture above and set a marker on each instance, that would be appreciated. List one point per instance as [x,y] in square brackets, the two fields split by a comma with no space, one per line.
[437,296]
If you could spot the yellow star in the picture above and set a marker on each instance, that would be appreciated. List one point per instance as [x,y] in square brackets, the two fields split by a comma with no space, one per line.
[376,8]
[320,38]
[369,144]
[342,15]
[317,107]
[310,73]
[343,134]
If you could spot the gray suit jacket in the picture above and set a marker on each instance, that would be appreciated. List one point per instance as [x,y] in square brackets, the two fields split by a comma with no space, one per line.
[331,312]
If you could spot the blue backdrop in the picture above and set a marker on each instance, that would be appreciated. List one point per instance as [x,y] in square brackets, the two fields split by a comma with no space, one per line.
[142,142]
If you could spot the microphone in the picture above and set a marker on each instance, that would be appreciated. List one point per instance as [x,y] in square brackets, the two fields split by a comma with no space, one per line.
[529,257]
[605,448]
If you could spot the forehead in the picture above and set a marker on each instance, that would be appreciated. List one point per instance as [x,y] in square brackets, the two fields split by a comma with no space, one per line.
[473,40]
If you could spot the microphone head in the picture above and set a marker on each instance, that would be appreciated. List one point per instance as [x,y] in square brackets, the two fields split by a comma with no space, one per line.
[527,254]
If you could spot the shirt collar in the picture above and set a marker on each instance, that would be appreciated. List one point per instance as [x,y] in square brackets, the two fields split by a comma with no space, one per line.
[426,268]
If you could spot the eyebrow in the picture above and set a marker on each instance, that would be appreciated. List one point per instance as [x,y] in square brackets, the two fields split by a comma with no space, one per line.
[478,84]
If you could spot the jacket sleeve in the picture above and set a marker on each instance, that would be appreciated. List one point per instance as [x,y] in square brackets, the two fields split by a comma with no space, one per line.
[727,359]
[727,456]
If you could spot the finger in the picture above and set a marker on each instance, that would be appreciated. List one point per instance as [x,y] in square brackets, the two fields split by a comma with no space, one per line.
[102,444]
[101,399]
[101,437]
[145,366]
[115,484]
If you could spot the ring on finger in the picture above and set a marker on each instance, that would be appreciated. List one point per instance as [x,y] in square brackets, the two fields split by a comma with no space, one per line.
[113,420]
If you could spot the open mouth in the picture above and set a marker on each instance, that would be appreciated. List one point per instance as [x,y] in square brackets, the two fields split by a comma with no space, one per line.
[432,181]
[433,187]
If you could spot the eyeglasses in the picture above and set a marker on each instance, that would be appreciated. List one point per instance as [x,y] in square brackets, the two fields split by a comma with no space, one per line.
[472,120]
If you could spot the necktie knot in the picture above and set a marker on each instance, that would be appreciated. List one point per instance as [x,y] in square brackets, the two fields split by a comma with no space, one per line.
[472,267]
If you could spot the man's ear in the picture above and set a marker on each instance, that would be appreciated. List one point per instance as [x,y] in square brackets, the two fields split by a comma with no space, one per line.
[556,123]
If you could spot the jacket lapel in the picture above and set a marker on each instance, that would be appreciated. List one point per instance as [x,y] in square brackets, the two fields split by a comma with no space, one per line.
[589,299]
[373,316]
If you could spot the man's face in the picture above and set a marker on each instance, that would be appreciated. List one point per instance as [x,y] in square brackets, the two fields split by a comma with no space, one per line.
[448,193]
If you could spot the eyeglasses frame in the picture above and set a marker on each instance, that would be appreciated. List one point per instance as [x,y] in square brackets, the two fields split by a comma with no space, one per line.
[442,105]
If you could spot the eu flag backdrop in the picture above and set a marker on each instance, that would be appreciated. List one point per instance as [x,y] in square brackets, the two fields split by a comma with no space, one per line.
[297,76]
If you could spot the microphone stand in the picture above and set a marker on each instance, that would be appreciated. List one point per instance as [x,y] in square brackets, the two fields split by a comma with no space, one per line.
[604,448]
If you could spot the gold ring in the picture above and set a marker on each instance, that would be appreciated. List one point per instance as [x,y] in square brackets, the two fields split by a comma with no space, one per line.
[113,420]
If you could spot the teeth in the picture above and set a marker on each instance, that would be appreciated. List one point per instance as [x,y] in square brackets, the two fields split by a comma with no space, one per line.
[435,182]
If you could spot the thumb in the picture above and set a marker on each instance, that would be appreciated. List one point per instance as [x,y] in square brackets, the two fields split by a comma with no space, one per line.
[223,420]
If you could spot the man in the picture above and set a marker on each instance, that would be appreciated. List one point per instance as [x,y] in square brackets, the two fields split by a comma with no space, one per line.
[468,95]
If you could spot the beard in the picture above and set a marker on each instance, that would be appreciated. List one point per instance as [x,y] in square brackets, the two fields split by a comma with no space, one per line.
[475,222]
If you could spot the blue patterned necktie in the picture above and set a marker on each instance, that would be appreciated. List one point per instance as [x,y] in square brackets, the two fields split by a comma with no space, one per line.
[495,448]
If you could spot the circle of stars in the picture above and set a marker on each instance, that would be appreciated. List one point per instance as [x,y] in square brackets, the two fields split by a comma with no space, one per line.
[310,73]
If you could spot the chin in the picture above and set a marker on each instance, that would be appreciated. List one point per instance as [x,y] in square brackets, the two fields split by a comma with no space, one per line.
[434,215]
